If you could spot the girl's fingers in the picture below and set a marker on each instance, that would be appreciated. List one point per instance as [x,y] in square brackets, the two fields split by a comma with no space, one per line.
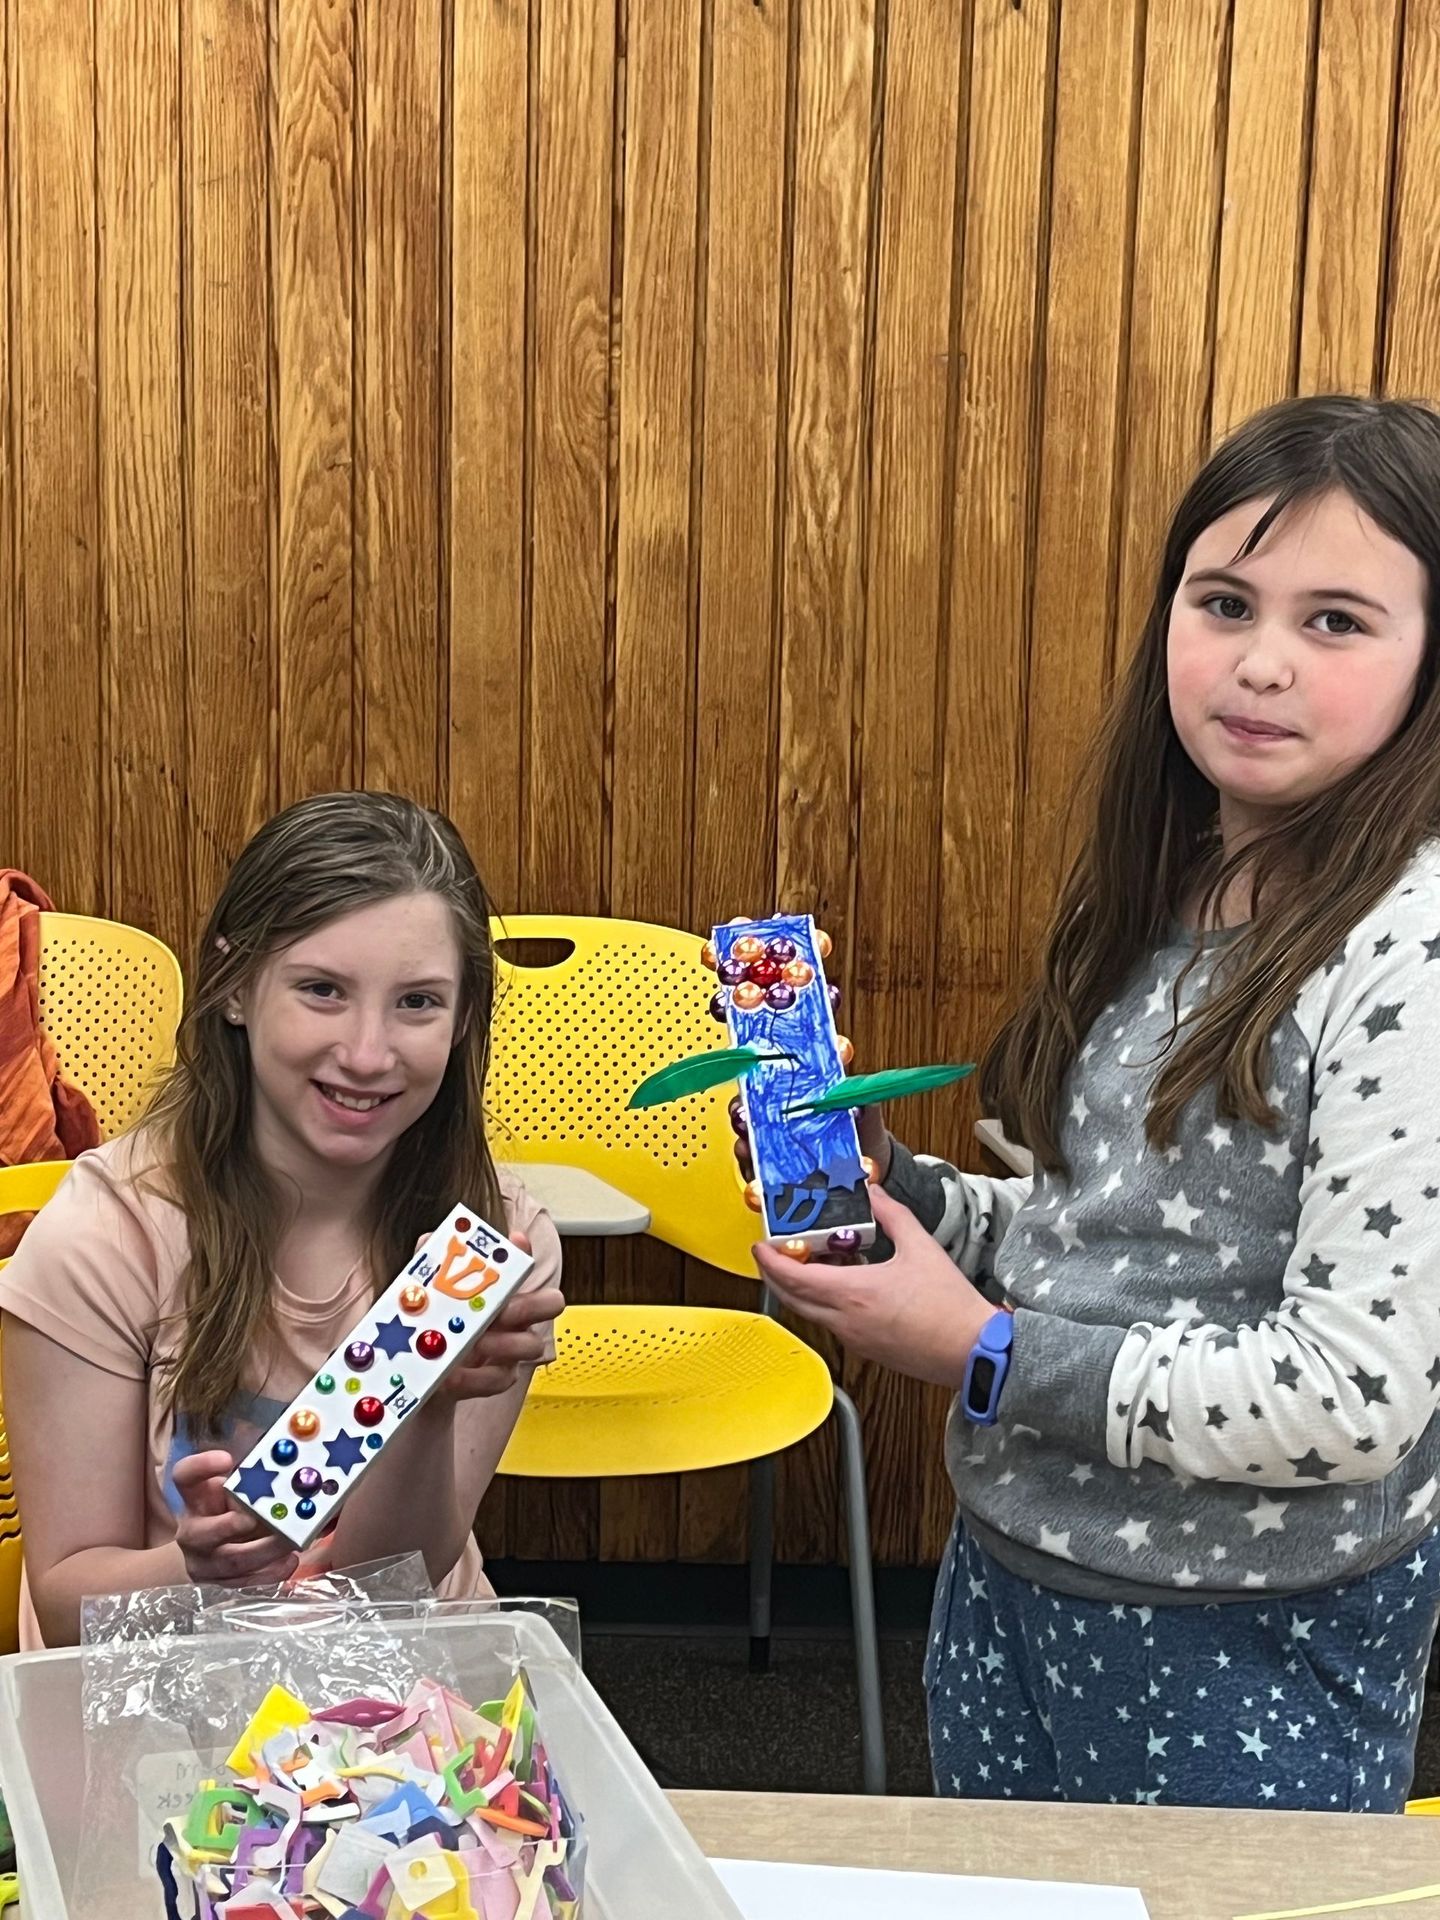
[482,1383]
[807,1288]
[507,1350]
[898,1223]
[800,1278]
[200,1481]
[258,1564]
[531,1309]
[207,1536]
[489,1374]
[264,1559]
[819,1312]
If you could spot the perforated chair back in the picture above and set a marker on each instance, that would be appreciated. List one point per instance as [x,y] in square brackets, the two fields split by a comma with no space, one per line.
[110,999]
[573,1039]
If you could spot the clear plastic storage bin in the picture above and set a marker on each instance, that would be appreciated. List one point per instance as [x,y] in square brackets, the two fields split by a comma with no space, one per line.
[642,1861]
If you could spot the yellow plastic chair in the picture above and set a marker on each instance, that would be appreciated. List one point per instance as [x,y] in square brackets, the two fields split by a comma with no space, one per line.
[670,1389]
[110,1000]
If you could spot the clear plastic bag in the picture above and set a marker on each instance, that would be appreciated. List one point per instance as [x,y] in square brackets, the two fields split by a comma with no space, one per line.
[146,1664]
[164,1699]
[562,1616]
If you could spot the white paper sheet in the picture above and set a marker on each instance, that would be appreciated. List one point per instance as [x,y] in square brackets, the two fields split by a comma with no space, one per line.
[765,1891]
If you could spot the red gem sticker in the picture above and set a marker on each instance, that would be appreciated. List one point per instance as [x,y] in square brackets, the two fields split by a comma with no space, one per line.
[369,1412]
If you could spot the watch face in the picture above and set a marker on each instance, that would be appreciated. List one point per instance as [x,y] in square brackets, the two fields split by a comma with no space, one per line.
[982,1383]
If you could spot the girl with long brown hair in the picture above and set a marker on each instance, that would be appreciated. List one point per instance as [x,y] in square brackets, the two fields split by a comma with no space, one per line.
[1197,1358]
[324,1114]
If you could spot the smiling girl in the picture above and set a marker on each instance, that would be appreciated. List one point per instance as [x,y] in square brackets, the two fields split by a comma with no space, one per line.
[187,1279]
[1197,1359]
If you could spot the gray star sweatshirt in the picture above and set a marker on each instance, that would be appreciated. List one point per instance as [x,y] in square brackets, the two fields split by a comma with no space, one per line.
[1227,1356]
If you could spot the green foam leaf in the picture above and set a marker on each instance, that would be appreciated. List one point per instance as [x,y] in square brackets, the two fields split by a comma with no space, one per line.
[870,1089]
[698,1074]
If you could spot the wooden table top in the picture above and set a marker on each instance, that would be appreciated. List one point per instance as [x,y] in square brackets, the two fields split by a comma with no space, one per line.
[1189,1863]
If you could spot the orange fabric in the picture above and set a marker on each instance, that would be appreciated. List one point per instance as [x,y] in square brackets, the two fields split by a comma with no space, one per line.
[42,1117]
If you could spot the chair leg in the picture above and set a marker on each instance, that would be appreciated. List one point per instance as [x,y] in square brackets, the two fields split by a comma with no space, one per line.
[862,1595]
[762,1559]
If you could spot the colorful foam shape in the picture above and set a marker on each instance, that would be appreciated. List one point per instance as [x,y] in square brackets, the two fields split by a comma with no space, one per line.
[278,1711]
[510,1861]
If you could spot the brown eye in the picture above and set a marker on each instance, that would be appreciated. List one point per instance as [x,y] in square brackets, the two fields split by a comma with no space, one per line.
[1344,627]
[1226,606]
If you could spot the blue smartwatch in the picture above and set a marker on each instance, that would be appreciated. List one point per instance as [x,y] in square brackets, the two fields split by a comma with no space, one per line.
[986,1369]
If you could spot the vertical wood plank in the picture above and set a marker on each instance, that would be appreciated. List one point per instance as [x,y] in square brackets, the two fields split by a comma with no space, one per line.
[653,665]
[734,778]
[654,673]
[485,562]
[564,761]
[823,607]
[904,640]
[62,746]
[1262,225]
[574,57]
[1177,209]
[1349,193]
[1412,335]
[137,70]
[314,265]
[827,431]
[733,831]
[11,688]
[1090,241]
[397,400]
[229,654]
[999,354]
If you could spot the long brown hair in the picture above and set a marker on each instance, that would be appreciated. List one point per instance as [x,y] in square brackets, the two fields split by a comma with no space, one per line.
[317,860]
[1316,871]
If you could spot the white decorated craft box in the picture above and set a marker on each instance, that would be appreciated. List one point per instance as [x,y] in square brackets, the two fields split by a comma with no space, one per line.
[299,1474]
[643,1865]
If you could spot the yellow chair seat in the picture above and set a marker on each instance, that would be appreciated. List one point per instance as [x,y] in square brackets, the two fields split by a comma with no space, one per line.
[665,1390]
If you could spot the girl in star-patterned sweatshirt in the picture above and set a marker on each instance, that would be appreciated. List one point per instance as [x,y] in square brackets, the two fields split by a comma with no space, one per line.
[1194,1445]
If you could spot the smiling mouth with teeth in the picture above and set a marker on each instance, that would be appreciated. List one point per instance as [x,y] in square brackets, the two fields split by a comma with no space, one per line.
[354,1102]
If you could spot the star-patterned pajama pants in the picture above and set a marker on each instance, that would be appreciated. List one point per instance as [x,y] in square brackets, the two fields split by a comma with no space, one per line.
[1312,1701]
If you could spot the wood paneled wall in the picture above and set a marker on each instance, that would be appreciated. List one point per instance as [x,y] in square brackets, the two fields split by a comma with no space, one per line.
[717,448]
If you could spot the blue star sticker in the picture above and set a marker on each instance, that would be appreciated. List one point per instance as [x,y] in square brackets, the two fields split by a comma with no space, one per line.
[255,1483]
[392,1337]
[344,1451]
